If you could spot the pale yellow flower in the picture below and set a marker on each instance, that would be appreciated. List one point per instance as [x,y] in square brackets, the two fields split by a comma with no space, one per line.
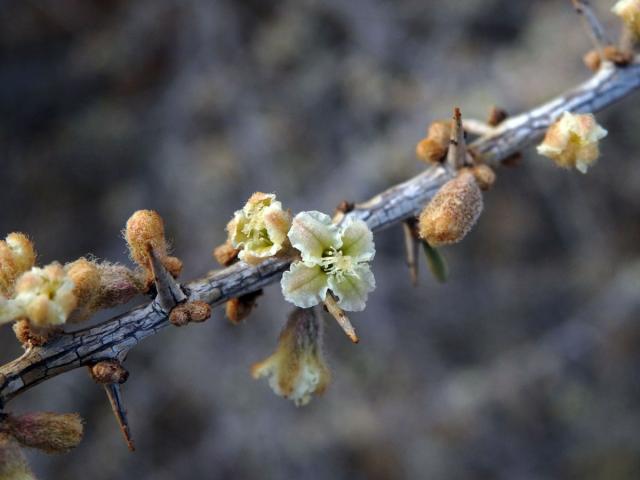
[572,141]
[334,259]
[43,295]
[260,229]
[297,370]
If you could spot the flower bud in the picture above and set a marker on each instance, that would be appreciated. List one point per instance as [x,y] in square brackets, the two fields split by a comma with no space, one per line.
[572,141]
[144,230]
[226,254]
[297,369]
[86,279]
[191,311]
[17,255]
[50,432]
[453,211]
[629,11]
[484,175]
[13,464]
[433,148]
[238,309]
[108,372]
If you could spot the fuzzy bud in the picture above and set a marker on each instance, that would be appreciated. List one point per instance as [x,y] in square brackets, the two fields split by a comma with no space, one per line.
[453,211]
[17,255]
[50,432]
[629,12]
[194,311]
[611,53]
[86,279]
[144,230]
[31,336]
[109,372]
[226,254]
[238,309]
[484,175]
[572,141]
[433,148]
[13,464]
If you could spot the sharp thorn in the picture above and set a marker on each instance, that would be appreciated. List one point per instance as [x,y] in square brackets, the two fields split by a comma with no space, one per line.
[341,318]
[169,292]
[411,250]
[115,399]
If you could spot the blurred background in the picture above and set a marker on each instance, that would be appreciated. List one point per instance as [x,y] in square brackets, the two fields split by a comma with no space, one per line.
[524,365]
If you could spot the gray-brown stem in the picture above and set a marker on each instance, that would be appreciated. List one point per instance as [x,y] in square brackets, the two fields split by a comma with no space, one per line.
[114,338]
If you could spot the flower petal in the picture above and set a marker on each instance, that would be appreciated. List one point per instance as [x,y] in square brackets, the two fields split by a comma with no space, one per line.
[304,286]
[277,222]
[312,233]
[357,240]
[352,290]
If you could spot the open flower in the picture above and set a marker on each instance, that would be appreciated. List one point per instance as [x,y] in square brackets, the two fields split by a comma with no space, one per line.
[260,228]
[333,258]
[297,369]
[44,295]
[629,11]
[572,141]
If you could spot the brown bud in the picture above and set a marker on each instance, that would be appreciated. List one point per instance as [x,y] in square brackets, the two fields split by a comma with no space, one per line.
[108,372]
[592,59]
[453,211]
[226,254]
[484,175]
[145,229]
[13,464]
[50,432]
[496,116]
[433,148]
[238,309]
[33,336]
[193,311]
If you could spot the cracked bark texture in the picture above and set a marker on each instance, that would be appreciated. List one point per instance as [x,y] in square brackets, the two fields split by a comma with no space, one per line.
[114,338]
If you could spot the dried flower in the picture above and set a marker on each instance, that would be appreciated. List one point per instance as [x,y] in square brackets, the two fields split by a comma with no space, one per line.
[453,211]
[50,432]
[297,369]
[44,295]
[433,148]
[13,464]
[333,258]
[17,255]
[572,141]
[260,228]
[629,11]
[144,230]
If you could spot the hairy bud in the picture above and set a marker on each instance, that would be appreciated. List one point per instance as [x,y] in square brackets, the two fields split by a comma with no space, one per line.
[86,279]
[484,175]
[238,309]
[226,254]
[144,230]
[17,255]
[50,432]
[453,211]
[433,148]
[193,311]
[109,372]
[13,464]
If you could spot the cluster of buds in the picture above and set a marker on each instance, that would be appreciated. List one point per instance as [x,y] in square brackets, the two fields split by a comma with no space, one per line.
[572,141]
[297,370]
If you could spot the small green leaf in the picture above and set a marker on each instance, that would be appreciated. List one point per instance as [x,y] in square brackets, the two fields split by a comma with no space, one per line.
[437,263]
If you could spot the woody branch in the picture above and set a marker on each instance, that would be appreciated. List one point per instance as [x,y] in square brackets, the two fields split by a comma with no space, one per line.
[113,339]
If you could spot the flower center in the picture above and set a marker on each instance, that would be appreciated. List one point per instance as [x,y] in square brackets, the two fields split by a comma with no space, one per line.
[335,263]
